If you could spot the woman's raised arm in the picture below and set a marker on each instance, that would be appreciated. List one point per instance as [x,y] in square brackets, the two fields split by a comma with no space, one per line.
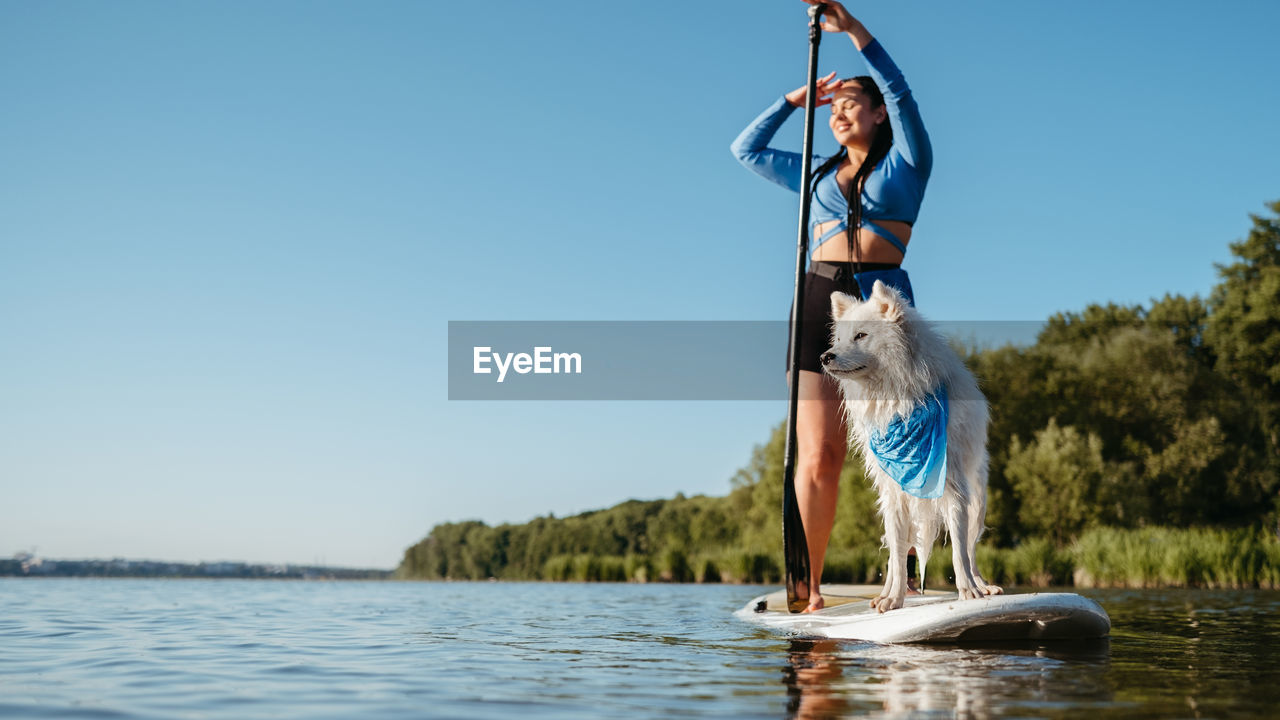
[909,136]
[752,145]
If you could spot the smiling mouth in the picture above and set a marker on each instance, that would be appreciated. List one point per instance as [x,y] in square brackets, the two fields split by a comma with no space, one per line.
[842,128]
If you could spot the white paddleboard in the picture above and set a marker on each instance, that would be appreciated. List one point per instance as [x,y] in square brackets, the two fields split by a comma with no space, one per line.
[935,617]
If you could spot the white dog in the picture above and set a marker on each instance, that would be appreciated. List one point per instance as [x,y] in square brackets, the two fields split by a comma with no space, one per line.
[892,365]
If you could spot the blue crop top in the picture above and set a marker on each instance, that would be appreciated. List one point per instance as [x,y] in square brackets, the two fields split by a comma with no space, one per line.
[893,190]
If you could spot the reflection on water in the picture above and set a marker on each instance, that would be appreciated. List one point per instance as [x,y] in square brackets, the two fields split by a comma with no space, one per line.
[829,678]
[1171,653]
[811,676]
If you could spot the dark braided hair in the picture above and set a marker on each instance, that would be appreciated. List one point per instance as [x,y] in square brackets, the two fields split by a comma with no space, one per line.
[853,197]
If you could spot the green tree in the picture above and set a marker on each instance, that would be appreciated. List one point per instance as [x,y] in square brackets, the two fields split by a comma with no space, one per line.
[1243,332]
[1062,482]
[1244,328]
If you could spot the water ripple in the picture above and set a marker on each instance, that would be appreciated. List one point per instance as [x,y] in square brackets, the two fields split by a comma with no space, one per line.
[73,648]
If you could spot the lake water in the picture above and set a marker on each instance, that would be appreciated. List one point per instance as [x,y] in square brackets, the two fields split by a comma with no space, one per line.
[86,648]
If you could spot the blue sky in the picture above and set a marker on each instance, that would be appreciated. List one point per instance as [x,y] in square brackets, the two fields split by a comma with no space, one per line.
[232,235]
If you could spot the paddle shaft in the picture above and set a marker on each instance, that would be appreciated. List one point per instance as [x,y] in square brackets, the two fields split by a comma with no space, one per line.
[795,548]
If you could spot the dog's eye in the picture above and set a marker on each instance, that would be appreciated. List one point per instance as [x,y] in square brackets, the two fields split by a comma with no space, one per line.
[859,336]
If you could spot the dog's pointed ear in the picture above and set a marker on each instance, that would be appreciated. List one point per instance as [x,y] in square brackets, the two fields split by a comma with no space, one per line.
[888,302]
[840,303]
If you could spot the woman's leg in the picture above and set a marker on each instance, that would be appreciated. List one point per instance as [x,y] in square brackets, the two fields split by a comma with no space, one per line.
[821,446]
[913,587]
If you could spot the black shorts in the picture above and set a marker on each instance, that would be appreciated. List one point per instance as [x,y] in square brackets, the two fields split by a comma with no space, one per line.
[822,279]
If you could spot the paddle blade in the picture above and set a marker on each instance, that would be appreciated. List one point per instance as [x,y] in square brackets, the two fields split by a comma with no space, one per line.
[794,547]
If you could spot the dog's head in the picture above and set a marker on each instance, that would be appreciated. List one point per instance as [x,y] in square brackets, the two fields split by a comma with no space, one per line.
[868,337]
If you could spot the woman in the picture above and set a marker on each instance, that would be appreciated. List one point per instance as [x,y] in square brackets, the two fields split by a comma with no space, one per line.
[884,161]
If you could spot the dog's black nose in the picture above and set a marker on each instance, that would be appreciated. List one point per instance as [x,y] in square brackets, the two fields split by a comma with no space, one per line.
[827,357]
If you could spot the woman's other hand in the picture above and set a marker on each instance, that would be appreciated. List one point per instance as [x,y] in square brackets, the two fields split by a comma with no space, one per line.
[826,86]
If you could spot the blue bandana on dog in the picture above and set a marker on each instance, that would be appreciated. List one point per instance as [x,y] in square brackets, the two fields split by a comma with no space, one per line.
[914,451]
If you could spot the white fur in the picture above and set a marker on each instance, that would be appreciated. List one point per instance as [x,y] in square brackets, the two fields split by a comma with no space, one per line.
[887,358]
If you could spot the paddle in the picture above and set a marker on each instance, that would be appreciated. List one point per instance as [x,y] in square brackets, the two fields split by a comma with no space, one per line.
[795,548]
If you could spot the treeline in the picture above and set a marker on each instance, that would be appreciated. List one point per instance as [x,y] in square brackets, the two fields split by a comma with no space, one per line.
[1130,445]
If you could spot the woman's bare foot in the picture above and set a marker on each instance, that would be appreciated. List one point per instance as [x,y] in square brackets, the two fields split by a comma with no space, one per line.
[816,603]
[913,588]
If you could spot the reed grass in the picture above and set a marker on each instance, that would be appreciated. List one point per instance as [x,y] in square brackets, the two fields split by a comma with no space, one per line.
[1166,557]
[1151,557]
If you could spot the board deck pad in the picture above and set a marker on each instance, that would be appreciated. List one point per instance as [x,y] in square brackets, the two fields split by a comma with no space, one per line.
[935,616]
[836,595]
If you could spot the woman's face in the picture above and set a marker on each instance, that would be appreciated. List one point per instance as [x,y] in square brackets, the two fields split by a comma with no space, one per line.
[853,120]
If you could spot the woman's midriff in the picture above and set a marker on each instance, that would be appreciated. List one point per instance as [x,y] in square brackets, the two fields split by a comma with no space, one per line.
[875,249]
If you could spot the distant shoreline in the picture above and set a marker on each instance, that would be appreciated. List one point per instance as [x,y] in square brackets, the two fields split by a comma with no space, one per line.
[24,565]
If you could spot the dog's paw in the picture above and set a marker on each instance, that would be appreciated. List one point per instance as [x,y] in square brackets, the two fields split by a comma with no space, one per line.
[970,593]
[885,604]
[994,590]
